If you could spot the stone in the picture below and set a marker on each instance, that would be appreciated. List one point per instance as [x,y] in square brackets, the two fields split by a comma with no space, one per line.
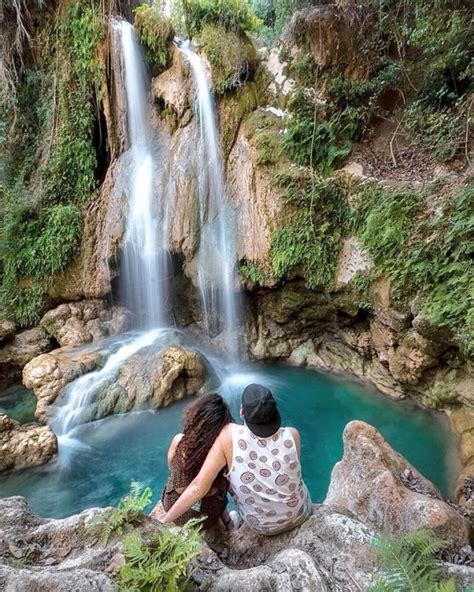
[412,357]
[289,570]
[77,323]
[24,445]
[160,377]
[7,329]
[174,86]
[47,375]
[371,482]
[332,548]
[17,352]
[352,260]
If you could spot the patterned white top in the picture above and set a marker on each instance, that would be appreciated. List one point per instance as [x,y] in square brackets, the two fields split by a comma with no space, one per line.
[265,481]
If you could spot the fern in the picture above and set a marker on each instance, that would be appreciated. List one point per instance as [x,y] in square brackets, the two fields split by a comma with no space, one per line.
[129,512]
[160,563]
[408,564]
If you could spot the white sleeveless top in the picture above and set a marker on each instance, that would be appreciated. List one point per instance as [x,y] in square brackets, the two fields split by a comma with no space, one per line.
[265,481]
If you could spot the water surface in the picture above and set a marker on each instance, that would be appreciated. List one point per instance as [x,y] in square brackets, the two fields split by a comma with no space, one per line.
[114,451]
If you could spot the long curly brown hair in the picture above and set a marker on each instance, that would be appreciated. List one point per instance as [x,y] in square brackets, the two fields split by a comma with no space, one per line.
[203,419]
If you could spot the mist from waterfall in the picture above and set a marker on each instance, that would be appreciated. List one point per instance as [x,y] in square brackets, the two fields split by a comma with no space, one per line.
[144,262]
[217,247]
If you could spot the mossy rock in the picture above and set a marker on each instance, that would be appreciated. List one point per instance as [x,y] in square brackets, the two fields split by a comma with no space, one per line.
[231,54]
[233,107]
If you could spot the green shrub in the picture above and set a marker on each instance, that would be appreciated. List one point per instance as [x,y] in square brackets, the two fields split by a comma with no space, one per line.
[232,15]
[430,257]
[69,175]
[313,238]
[161,562]
[231,54]
[254,272]
[409,562]
[35,246]
[156,34]
[129,512]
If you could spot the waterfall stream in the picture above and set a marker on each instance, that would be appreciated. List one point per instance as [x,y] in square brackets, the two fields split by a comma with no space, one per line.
[144,273]
[217,248]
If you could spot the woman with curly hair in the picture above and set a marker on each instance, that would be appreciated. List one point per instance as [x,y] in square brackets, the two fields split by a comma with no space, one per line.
[203,420]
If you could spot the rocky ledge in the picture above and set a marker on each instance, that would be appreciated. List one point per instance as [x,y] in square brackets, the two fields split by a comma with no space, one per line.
[331,551]
[24,445]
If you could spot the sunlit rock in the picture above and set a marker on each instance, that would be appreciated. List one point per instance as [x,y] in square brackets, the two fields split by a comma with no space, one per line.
[77,323]
[24,445]
[47,375]
[385,491]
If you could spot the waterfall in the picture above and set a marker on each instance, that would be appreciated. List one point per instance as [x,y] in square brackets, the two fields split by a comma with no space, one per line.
[217,249]
[144,262]
[82,397]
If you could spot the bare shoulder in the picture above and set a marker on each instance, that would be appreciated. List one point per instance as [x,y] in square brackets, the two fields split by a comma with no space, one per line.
[296,436]
[176,439]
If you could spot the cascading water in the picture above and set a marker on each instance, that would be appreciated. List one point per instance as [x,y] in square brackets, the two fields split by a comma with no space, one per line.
[144,273]
[217,249]
[144,262]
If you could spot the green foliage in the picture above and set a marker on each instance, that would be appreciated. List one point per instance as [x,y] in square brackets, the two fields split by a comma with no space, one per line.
[312,240]
[52,161]
[275,16]
[70,173]
[360,284]
[160,563]
[254,272]
[232,15]
[231,54]
[409,563]
[35,246]
[155,32]
[320,144]
[129,511]
[427,256]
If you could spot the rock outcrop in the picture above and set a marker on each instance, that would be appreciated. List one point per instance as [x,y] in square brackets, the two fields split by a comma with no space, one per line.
[24,445]
[332,551]
[17,350]
[77,323]
[47,375]
[383,490]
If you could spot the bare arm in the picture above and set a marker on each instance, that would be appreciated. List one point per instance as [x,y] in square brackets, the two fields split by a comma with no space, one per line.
[201,484]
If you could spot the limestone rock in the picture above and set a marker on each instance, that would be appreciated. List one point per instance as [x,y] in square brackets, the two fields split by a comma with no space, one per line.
[7,329]
[174,86]
[47,375]
[331,543]
[24,445]
[17,352]
[63,557]
[413,356]
[352,260]
[161,377]
[383,490]
[289,570]
[77,323]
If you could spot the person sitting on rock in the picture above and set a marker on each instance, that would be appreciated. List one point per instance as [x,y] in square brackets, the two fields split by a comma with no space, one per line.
[203,420]
[264,470]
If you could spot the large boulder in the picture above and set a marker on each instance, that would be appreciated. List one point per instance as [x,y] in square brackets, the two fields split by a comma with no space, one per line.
[24,445]
[18,350]
[77,323]
[7,329]
[47,375]
[385,491]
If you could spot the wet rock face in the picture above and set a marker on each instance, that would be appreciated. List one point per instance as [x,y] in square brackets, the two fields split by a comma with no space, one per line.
[77,323]
[47,375]
[383,490]
[151,379]
[24,445]
[18,350]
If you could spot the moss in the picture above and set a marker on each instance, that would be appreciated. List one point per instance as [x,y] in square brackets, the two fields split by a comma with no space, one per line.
[156,34]
[231,54]
[429,257]
[233,107]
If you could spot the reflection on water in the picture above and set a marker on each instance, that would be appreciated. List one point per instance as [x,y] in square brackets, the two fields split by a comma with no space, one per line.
[118,449]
